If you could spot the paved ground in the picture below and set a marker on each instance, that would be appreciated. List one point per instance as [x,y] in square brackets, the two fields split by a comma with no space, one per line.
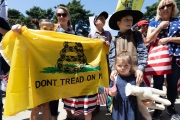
[100,116]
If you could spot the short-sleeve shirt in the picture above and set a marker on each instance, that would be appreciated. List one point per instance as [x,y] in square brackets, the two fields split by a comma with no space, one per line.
[173,30]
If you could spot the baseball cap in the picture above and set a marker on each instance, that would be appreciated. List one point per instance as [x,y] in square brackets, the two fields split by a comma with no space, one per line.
[142,22]
[104,13]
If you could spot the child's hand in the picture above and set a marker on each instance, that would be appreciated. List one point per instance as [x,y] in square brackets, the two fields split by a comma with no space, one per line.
[16,28]
[113,73]
[113,89]
[147,102]
[139,77]
[107,43]
[112,93]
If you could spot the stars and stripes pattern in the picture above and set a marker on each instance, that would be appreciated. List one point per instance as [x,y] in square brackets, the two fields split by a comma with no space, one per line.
[172,31]
[81,105]
[173,48]
[102,97]
[159,61]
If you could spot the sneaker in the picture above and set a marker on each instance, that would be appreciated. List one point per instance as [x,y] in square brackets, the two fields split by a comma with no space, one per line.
[108,113]
[157,114]
[171,110]
[175,117]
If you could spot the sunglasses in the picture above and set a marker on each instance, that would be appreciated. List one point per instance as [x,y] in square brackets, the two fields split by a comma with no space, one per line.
[168,5]
[61,14]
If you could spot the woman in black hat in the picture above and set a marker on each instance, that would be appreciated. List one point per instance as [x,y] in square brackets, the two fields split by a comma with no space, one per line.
[127,40]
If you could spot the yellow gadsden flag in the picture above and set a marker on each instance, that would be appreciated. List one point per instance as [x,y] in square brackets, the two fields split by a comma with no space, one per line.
[134,4]
[47,65]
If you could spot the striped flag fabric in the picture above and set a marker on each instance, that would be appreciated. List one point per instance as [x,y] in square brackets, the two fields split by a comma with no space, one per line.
[4,9]
[102,97]
[159,61]
[178,85]
[4,83]
[147,79]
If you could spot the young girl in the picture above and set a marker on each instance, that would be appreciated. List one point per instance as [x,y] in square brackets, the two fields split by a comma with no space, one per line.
[124,108]
[42,24]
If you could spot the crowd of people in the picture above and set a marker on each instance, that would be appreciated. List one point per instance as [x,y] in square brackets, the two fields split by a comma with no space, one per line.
[127,59]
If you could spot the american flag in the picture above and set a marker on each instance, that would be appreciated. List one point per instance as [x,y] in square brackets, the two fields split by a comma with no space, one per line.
[159,61]
[102,97]
[4,83]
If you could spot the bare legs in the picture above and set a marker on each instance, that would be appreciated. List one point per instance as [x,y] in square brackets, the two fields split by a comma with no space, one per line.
[34,113]
[45,111]
[88,116]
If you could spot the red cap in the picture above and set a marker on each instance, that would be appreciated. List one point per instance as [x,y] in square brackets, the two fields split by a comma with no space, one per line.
[142,22]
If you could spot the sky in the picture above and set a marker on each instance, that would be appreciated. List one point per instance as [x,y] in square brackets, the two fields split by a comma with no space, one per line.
[95,6]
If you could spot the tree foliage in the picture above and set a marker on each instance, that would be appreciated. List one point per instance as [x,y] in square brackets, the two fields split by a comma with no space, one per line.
[37,12]
[14,17]
[79,16]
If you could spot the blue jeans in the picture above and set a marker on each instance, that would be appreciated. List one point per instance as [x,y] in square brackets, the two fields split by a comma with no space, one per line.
[172,80]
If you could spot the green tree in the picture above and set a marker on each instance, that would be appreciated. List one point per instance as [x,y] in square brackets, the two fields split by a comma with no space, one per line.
[151,10]
[14,17]
[79,16]
[37,12]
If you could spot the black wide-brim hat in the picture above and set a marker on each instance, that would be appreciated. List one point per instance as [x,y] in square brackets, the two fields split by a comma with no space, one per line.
[136,14]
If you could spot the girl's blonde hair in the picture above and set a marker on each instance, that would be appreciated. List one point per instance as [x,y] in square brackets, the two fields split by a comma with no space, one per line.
[175,10]
[67,12]
[125,56]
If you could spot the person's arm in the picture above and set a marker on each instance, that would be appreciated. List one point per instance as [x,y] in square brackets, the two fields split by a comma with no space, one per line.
[169,39]
[142,53]
[112,54]
[174,39]
[144,39]
[109,38]
[4,26]
[112,94]
[153,31]
[3,31]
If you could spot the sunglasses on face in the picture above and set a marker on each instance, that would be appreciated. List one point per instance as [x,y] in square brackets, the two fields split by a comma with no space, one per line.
[168,5]
[61,14]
